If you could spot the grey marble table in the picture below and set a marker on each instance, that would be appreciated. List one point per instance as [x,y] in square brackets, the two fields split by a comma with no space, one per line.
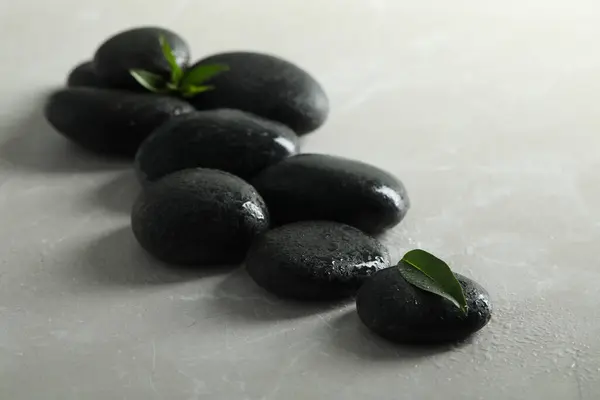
[488,111]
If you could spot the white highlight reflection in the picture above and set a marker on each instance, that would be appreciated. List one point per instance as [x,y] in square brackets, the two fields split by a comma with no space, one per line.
[392,195]
[253,209]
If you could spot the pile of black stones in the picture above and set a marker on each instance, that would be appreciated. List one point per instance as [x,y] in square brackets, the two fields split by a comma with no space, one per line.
[223,182]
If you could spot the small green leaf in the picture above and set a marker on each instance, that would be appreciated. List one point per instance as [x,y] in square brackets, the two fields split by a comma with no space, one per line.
[431,274]
[192,90]
[202,73]
[172,86]
[176,72]
[154,83]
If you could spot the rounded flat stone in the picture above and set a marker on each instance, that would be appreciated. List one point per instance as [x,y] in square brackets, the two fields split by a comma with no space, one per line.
[228,140]
[324,187]
[199,217]
[137,48]
[109,121]
[396,310]
[267,86]
[314,260]
[85,75]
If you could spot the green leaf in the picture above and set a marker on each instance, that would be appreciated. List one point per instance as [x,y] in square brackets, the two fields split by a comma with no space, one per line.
[176,72]
[172,86]
[192,90]
[202,73]
[154,83]
[431,274]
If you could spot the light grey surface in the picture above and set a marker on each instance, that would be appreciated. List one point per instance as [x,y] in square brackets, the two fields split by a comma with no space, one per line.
[489,112]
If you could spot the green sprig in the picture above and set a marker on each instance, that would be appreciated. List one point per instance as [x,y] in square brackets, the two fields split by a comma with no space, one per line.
[187,83]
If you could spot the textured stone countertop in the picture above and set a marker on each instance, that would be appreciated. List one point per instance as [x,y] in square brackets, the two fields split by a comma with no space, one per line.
[489,113]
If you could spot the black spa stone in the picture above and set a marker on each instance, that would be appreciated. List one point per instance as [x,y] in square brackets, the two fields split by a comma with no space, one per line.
[85,75]
[324,187]
[199,217]
[267,86]
[228,140]
[137,48]
[314,260]
[396,310]
[108,121]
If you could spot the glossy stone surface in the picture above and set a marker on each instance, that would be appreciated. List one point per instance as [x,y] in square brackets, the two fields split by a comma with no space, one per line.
[85,75]
[315,260]
[228,140]
[199,217]
[396,310]
[137,48]
[107,121]
[324,187]
[267,86]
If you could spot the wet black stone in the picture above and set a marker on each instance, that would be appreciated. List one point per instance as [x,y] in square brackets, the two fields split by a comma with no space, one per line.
[266,86]
[137,48]
[107,121]
[396,310]
[199,217]
[314,260]
[323,187]
[84,75]
[228,140]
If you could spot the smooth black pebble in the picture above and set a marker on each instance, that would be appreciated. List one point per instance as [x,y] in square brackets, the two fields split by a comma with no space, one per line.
[396,310]
[324,187]
[199,217]
[315,260]
[267,86]
[228,140]
[108,121]
[137,48]
[85,75]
